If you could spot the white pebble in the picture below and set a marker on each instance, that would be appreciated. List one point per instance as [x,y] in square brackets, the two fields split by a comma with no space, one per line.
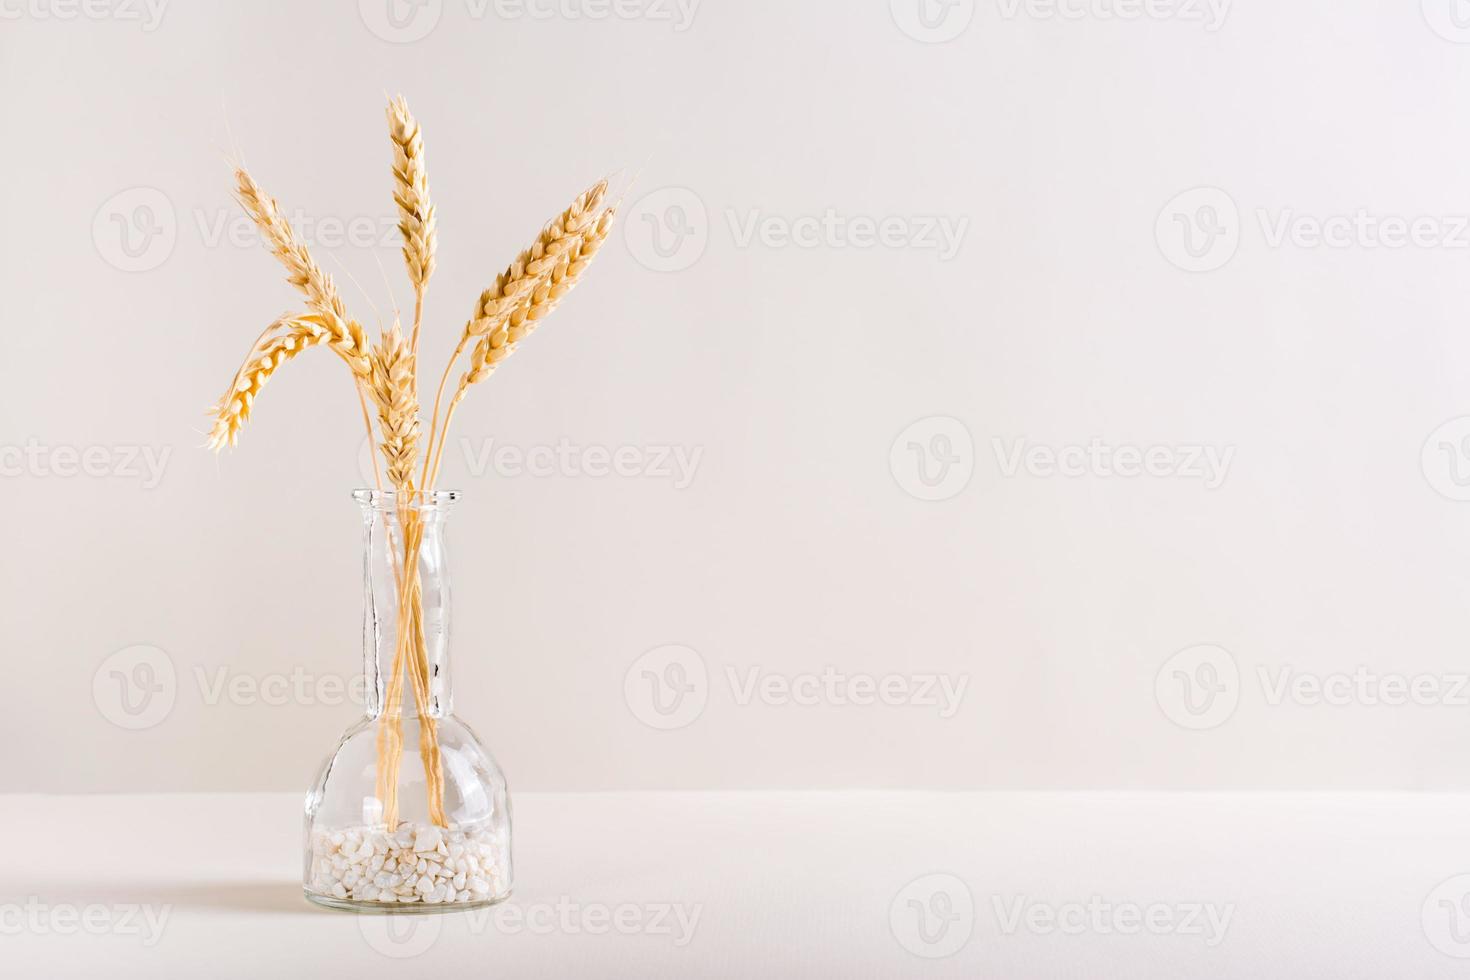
[415,863]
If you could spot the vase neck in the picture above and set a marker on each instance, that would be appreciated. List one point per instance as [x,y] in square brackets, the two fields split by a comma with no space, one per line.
[406,606]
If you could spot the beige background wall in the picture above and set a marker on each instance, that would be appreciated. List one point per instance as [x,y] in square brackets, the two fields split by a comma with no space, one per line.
[1073,386]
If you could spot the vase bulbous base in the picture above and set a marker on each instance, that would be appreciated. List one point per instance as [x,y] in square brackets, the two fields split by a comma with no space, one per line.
[355,862]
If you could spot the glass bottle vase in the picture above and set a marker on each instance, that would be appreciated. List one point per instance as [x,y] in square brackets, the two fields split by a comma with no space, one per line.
[410,813]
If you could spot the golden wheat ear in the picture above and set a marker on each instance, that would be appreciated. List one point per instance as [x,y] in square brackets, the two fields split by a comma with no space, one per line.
[558,237]
[544,297]
[393,391]
[497,304]
[282,340]
[411,194]
[346,336]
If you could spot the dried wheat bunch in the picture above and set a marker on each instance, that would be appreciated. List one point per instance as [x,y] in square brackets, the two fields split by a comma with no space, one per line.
[411,194]
[392,387]
[521,296]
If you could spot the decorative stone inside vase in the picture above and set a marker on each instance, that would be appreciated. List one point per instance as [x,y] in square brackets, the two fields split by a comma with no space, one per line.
[416,863]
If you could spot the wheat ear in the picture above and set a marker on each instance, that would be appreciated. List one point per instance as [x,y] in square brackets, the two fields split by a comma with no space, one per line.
[415,211]
[546,294]
[281,341]
[346,336]
[557,238]
[411,193]
[549,293]
[499,302]
[392,389]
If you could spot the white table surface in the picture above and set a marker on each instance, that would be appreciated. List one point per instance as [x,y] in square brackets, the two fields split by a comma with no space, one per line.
[770,884]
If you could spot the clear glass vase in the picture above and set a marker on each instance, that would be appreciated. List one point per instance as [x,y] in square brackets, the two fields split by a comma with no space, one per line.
[410,813]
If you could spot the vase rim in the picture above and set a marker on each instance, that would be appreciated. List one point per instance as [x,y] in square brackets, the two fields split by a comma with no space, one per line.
[416,499]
